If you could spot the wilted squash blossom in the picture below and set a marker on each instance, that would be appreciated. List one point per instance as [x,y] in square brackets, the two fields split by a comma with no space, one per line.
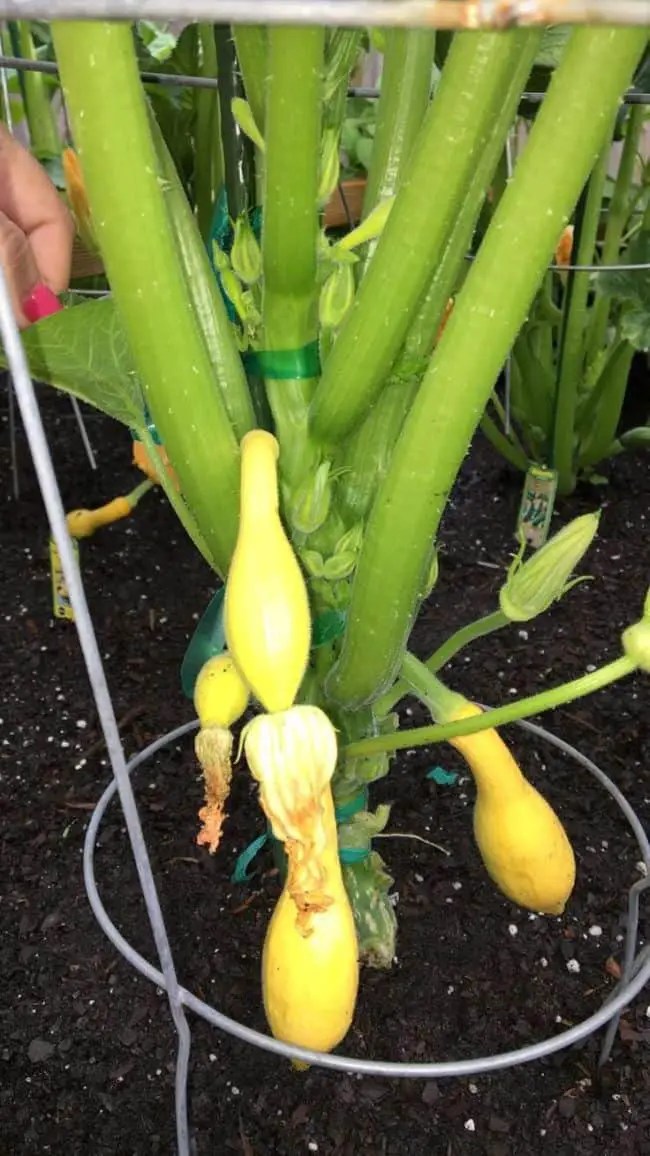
[220,698]
[78,199]
[564,248]
[310,967]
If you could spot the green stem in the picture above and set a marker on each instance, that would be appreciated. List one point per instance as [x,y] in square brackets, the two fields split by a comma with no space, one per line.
[507,448]
[490,309]
[617,218]
[104,97]
[405,91]
[290,227]
[43,133]
[205,295]
[422,334]
[175,499]
[441,702]
[208,161]
[444,654]
[490,719]
[453,138]
[572,341]
[250,43]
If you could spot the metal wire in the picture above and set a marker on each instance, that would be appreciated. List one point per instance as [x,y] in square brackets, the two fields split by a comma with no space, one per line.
[184,80]
[56,516]
[444,14]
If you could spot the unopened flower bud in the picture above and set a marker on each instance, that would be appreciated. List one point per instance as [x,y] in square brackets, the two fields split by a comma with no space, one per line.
[339,566]
[330,165]
[245,255]
[311,502]
[350,542]
[336,297]
[534,585]
[636,639]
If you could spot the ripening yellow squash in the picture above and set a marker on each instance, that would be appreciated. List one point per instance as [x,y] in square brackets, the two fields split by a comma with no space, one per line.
[310,967]
[266,612]
[220,694]
[523,845]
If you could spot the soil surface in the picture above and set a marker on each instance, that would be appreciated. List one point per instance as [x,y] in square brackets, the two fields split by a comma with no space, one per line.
[86,1046]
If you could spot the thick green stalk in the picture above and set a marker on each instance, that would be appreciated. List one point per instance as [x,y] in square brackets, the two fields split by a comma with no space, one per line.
[43,133]
[108,112]
[617,218]
[453,138]
[423,332]
[492,306]
[572,341]
[251,47]
[405,90]
[444,654]
[290,227]
[208,159]
[524,708]
[205,295]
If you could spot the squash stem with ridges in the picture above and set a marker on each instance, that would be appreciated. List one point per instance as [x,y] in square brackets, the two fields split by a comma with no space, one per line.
[107,108]
[500,716]
[455,133]
[289,238]
[491,308]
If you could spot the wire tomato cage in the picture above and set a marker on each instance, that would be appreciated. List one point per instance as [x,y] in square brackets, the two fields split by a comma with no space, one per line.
[635,970]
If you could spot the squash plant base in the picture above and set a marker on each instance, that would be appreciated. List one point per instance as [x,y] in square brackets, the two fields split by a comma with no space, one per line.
[501,991]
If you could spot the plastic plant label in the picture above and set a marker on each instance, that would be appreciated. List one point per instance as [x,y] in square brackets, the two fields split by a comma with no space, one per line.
[61,604]
[537,501]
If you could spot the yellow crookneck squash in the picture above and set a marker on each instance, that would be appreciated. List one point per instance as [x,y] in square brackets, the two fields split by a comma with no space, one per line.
[523,845]
[310,968]
[266,613]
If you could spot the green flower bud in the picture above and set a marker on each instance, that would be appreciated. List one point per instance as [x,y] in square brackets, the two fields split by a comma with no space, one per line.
[339,566]
[336,297]
[534,585]
[313,562]
[233,289]
[330,165]
[311,502]
[245,255]
[351,541]
[241,110]
[369,229]
[636,639]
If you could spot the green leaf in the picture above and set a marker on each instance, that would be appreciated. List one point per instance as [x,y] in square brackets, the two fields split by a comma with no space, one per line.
[158,40]
[632,287]
[552,47]
[635,439]
[82,351]
[242,112]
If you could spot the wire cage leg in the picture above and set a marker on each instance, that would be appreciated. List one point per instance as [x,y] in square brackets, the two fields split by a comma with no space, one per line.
[30,413]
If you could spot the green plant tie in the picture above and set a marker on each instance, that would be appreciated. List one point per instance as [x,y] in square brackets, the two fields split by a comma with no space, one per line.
[155,436]
[346,855]
[285,364]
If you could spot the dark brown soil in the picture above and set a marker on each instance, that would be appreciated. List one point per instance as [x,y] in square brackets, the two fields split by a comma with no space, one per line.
[86,1045]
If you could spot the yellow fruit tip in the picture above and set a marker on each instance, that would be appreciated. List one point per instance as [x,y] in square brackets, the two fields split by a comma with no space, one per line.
[300,1065]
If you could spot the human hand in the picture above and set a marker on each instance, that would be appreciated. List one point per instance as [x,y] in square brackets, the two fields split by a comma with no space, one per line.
[36,232]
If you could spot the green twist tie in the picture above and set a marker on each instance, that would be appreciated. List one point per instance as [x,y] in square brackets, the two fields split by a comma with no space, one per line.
[342,814]
[346,855]
[286,364]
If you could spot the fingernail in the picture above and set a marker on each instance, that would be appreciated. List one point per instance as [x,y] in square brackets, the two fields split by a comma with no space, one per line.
[40,303]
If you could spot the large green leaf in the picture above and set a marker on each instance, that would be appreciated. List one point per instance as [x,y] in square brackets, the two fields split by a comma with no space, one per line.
[631,287]
[83,351]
